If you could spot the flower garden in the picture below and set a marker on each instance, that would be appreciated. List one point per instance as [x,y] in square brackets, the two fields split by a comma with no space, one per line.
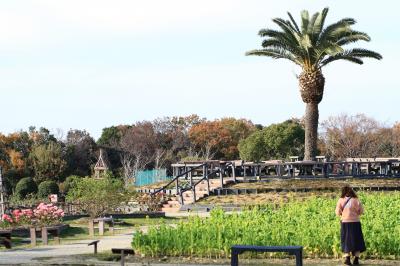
[42,215]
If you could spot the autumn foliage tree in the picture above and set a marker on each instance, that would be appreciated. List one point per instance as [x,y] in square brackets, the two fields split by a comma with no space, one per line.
[219,139]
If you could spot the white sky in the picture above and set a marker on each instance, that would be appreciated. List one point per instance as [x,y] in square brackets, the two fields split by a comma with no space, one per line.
[91,64]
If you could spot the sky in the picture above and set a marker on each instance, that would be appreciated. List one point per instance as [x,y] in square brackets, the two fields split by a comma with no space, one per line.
[90,64]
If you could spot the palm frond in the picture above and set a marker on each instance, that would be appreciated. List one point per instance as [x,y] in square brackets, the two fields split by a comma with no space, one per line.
[319,24]
[294,23]
[288,42]
[341,57]
[334,30]
[311,24]
[353,36]
[275,53]
[359,52]
[352,55]
[287,28]
[311,45]
[305,20]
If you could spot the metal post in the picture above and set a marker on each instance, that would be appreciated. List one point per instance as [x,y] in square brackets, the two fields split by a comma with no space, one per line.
[299,258]
[234,258]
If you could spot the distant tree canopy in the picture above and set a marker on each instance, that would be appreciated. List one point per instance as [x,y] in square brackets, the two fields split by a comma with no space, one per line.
[48,161]
[347,136]
[219,139]
[159,143]
[81,152]
[276,141]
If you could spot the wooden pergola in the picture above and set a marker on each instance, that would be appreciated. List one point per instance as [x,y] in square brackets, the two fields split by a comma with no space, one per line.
[351,167]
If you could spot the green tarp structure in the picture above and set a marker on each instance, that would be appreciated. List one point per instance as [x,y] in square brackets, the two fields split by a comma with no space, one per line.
[149,177]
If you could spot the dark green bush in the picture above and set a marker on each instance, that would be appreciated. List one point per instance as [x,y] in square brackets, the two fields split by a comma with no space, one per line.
[24,187]
[46,188]
[66,185]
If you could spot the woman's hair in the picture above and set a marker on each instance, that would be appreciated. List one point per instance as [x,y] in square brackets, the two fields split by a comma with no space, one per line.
[347,191]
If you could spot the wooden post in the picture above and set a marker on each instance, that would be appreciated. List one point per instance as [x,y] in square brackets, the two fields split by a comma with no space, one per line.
[2,203]
[101,227]
[122,258]
[221,175]
[233,172]
[111,227]
[194,194]
[32,232]
[91,227]
[207,178]
[45,239]
[185,171]
[177,185]
[190,176]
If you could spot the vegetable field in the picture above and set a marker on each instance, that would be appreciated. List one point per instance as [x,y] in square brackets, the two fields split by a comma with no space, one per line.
[311,224]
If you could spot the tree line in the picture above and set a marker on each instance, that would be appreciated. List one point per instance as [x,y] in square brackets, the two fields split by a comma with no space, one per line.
[39,154]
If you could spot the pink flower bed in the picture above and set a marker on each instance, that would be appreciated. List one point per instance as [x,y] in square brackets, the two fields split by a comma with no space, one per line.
[48,214]
[43,215]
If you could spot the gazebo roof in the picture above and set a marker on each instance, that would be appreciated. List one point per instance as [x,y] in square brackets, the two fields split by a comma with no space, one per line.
[101,162]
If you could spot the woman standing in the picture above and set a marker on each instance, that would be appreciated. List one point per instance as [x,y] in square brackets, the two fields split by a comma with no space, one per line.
[349,208]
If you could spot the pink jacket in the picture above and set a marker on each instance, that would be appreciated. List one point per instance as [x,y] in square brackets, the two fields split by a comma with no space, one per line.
[351,212]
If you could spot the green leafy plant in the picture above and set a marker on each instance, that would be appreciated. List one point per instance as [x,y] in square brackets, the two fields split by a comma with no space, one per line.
[97,196]
[310,223]
[24,187]
[46,188]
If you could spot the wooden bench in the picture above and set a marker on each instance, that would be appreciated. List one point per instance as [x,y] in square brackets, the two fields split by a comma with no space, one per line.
[55,231]
[5,236]
[94,243]
[292,250]
[123,252]
[101,222]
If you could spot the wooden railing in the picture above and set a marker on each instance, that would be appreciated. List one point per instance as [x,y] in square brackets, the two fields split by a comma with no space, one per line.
[192,185]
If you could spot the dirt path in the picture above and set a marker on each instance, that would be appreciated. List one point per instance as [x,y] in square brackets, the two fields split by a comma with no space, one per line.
[28,255]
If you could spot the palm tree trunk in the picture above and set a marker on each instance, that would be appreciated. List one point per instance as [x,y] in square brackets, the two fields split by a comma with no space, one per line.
[311,128]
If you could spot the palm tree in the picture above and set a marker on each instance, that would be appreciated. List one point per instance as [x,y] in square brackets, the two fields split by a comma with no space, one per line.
[312,47]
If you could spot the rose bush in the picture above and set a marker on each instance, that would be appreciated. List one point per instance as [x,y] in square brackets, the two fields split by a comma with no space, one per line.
[47,214]
[43,215]
[7,222]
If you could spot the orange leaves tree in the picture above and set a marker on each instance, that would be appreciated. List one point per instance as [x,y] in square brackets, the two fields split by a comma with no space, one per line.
[219,139]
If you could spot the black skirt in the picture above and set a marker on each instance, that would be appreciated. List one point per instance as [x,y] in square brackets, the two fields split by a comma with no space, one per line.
[352,238]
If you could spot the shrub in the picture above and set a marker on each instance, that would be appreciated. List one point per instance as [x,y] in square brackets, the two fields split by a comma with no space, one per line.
[46,188]
[47,214]
[6,222]
[97,197]
[67,184]
[24,187]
